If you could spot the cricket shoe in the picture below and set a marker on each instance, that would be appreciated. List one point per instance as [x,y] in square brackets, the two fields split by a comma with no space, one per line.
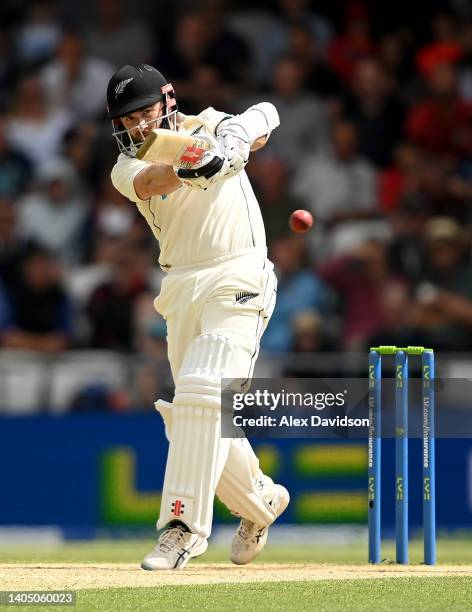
[250,538]
[175,546]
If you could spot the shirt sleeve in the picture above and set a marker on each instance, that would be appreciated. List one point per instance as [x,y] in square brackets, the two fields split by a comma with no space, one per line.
[213,118]
[123,174]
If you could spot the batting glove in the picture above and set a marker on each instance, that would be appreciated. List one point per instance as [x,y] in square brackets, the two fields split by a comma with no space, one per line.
[203,174]
[235,147]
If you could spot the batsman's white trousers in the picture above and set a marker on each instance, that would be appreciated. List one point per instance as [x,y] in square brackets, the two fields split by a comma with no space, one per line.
[216,315]
[201,300]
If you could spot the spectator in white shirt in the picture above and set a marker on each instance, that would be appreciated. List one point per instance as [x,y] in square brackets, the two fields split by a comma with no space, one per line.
[340,189]
[54,216]
[303,116]
[74,80]
[33,128]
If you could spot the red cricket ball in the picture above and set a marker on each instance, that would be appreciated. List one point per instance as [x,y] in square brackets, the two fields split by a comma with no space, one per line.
[300,221]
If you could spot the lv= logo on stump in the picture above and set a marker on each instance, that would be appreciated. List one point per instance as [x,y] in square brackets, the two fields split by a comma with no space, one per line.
[401,452]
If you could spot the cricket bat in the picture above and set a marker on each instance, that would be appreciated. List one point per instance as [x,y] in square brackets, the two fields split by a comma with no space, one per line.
[183,149]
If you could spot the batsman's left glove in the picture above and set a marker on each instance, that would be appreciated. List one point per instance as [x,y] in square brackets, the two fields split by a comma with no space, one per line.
[226,157]
[235,147]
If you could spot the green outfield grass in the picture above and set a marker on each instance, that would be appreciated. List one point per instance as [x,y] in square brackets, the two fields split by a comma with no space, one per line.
[330,595]
[389,593]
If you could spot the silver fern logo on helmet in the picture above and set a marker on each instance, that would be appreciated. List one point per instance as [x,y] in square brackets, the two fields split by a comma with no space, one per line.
[119,89]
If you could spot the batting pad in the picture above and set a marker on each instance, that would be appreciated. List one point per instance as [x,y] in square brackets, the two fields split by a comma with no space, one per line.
[243,487]
[165,410]
[197,453]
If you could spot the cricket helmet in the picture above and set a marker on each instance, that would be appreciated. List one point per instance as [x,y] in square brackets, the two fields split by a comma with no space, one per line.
[132,88]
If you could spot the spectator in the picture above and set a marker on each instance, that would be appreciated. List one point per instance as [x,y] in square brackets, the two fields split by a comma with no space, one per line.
[82,280]
[40,312]
[376,111]
[55,214]
[12,246]
[271,178]
[338,188]
[194,46]
[227,52]
[365,285]
[353,44]
[263,33]
[401,178]
[183,54]
[149,385]
[4,310]
[112,306]
[309,331]
[303,117]
[99,397]
[311,334]
[8,71]
[151,329]
[34,129]
[438,185]
[80,148]
[15,169]
[117,38]
[407,223]
[397,327]
[209,89]
[405,97]
[393,57]
[443,308]
[74,81]
[300,11]
[319,79]
[299,289]
[268,34]
[113,216]
[465,64]
[442,122]
[444,48]
[39,33]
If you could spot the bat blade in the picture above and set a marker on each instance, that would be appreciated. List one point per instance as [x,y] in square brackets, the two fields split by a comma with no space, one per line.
[172,148]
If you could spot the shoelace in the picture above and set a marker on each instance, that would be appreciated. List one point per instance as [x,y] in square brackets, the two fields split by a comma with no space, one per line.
[171,538]
[249,530]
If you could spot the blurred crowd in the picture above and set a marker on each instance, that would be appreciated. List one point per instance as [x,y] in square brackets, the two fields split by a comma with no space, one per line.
[375,140]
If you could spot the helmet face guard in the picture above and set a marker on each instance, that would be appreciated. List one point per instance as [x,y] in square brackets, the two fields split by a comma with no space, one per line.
[128,144]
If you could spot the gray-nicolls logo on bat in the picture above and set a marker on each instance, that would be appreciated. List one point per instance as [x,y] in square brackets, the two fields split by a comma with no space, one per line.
[244,296]
[121,86]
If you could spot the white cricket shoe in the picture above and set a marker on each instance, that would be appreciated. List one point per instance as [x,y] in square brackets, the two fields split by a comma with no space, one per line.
[176,545]
[250,538]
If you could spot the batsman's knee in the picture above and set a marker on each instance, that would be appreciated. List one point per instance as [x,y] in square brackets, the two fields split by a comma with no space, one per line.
[207,362]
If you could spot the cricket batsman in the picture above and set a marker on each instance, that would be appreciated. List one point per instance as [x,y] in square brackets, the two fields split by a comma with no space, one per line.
[217,298]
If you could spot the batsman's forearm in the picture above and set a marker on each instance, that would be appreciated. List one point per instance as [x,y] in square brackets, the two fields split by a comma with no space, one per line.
[259,143]
[155,179]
